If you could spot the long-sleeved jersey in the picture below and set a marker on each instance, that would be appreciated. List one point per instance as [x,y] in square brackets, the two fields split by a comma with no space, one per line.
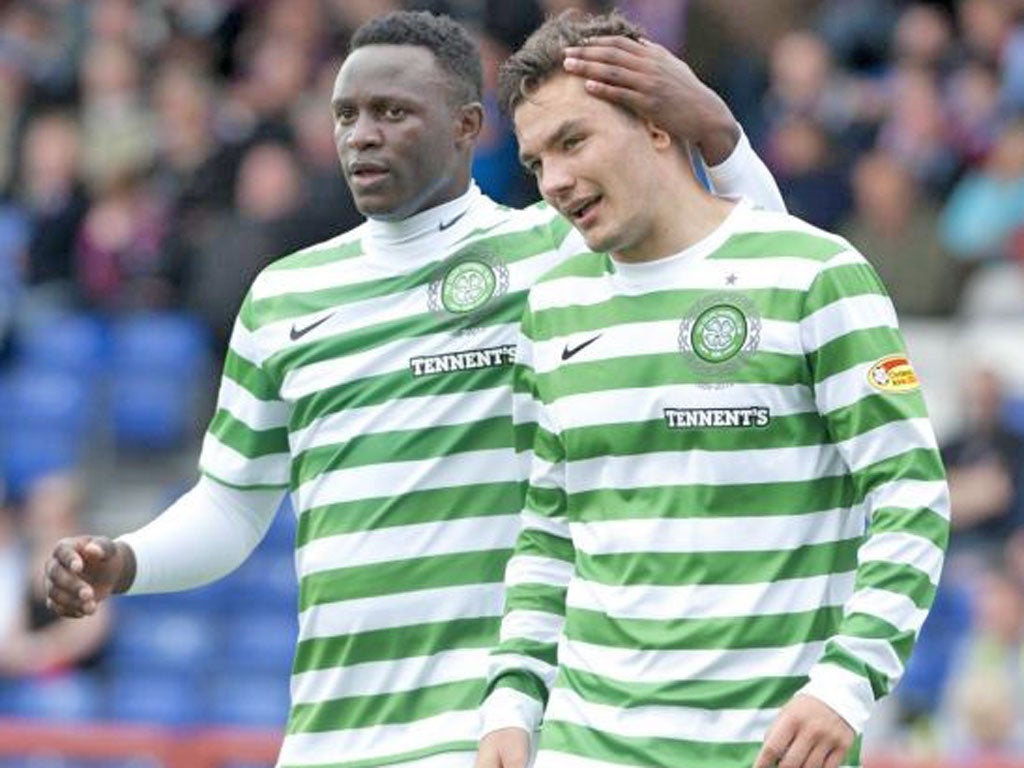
[734,496]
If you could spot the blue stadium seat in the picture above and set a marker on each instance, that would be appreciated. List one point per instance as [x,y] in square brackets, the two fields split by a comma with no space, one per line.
[281,534]
[75,344]
[150,411]
[260,642]
[41,399]
[169,343]
[162,641]
[266,581]
[260,700]
[26,455]
[72,697]
[163,698]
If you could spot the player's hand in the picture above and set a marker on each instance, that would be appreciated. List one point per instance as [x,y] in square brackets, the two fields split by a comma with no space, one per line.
[84,570]
[504,748]
[646,78]
[806,734]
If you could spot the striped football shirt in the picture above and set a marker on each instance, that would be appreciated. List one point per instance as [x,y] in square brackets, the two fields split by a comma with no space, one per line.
[370,376]
[734,496]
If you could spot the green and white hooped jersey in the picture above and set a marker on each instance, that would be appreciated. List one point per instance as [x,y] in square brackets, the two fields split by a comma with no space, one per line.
[371,376]
[735,495]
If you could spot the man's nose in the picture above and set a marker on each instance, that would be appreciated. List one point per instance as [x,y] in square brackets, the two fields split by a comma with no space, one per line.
[364,132]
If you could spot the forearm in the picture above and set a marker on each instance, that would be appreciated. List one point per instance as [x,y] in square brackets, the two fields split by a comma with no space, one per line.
[742,173]
[204,535]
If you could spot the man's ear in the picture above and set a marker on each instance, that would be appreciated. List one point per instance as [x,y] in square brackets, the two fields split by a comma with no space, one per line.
[660,138]
[469,121]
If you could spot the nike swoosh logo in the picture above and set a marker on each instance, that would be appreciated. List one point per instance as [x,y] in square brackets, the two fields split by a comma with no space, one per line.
[298,333]
[568,351]
[443,225]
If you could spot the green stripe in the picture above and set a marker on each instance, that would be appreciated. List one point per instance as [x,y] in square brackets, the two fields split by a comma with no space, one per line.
[642,437]
[773,304]
[385,708]
[752,693]
[864,345]
[404,445]
[523,682]
[657,371]
[865,626]
[546,598]
[251,443]
[250,377]
[792,244]
[680,502]
[542,544]
[874,411]
[925,523]
[315,257]
[395,643]
[915,464]
[484,500]
[743,632]
[388,387]
[507,309]
[646,751]
[905,580]
[842,282]
[546,652]
[469,747]
[680,569]
[398,576]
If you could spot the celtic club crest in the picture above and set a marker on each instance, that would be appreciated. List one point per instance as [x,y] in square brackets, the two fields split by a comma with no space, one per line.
[720,333]
[466,285]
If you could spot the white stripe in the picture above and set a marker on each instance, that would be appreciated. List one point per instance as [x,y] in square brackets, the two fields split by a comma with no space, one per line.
[276,282]
[228,465]
[843,389]
[250,410]
[606,406]
[699,467]
[404,542]
[885,441]
[530,569]
[404,609]
[641,666]
[398,477]
[531,521]
[387,358]
[411,413]
[718,534]
[548,758]
[712,601]
[844,315]
[383,741]
[892,607]
[392,676]
[657,337]
[786,273]
[912,495]
[661,722]
[898,548]
[531,625]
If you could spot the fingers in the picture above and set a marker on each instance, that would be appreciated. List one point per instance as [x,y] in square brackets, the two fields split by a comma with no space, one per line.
[604,44]
[775,745]
[68,593]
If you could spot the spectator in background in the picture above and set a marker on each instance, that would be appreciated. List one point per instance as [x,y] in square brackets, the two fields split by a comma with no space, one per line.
[986,207]
[973,109]
[51,193]
[898,226]
[985,467]
[36,643]
[813,184]
[923,39]
[120,255]
[267,220]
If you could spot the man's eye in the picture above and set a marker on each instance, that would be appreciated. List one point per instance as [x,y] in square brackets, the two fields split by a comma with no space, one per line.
[571,142]
[395,113]
[345,115]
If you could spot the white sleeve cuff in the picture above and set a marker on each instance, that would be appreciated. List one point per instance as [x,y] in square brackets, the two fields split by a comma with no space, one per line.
[744,174]
[847,694]
[509,708]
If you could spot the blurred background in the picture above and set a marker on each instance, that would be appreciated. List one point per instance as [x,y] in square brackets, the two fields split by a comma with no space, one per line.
[155,155]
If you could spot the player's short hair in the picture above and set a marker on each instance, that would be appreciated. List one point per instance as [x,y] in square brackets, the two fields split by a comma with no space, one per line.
[450,42]
[541,56]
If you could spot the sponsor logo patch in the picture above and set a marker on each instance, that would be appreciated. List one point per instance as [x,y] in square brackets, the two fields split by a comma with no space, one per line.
[469,360]
[893,374]
[711,418]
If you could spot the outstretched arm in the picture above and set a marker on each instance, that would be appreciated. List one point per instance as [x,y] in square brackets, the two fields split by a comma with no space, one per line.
[647,79]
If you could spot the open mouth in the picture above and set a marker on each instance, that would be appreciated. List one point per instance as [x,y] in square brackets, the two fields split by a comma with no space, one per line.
[367,173]
[579,212]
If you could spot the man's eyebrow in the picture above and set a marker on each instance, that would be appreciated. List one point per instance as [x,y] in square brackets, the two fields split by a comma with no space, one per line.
[563,130]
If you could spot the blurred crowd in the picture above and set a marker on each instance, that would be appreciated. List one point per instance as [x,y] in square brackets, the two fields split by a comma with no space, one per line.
[156,154]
